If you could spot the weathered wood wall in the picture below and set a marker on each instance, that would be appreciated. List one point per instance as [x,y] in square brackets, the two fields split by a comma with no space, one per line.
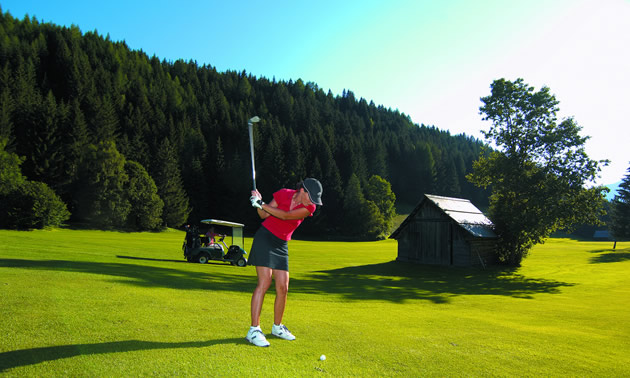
[434,238]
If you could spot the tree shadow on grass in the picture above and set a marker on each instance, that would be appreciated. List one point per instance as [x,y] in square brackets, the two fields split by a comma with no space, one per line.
[399,282]
[610,255]
[144,276]
[33,356]
[149,259]
[210,262]
[391,281]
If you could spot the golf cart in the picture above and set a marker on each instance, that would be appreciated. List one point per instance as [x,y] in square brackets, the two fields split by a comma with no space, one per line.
[210,246]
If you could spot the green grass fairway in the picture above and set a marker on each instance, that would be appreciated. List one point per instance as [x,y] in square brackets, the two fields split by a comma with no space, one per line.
[94,303]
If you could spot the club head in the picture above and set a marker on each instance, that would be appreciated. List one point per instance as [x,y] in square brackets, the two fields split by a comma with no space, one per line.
[253,120]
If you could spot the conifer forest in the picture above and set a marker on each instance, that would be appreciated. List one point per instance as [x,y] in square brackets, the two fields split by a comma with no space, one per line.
[95,134]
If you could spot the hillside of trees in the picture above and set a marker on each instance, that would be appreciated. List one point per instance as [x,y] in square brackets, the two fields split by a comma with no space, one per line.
[130,141]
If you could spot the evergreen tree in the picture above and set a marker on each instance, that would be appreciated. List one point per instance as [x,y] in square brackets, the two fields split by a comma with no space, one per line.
[447,183]
[274,162]
[353,208]
[103,125]
[363,218]
[45,160]
[620,215]
[195,178]
[133,144]
[75,141]
[168,179]
[377,158]
[331,178]
[216,170]
[427,174]
[6,104]
[295,160]
[27,114]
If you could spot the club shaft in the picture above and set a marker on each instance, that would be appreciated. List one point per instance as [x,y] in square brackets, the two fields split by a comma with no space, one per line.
[251,148]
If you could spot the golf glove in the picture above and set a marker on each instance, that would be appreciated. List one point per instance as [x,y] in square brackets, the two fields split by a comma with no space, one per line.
[256,202]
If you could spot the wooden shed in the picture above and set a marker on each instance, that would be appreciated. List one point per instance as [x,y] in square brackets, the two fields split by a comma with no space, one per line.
[602,235]
[446,231]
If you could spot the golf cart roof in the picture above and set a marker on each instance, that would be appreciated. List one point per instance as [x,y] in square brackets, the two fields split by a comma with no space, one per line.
[222,223]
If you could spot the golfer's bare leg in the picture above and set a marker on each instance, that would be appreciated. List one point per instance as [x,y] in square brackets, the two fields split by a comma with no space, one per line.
[282,288]
[264,281]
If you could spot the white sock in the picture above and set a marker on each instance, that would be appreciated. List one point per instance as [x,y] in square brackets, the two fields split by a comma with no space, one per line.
[255,327]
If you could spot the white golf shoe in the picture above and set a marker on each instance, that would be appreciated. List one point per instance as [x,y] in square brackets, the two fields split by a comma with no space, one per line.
[282,332]
[257,337]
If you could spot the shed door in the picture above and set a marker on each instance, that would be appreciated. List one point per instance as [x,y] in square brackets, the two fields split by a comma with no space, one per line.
[434,243]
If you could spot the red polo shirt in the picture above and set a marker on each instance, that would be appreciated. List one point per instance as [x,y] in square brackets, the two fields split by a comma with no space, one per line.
[283,229]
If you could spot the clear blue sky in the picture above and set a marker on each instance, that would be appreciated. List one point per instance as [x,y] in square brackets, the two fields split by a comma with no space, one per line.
[432,60]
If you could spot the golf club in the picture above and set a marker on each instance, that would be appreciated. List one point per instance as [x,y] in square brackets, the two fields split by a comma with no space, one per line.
[250,125]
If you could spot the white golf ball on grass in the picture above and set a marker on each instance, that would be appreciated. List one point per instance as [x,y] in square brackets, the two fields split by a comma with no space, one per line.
[322,357]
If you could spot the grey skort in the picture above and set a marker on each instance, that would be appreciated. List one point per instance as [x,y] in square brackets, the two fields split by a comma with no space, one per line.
[269,250]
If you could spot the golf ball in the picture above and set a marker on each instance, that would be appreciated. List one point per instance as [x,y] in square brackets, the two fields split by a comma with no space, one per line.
[322,357]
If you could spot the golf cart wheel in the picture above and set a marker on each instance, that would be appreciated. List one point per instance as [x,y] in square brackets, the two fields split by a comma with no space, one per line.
[241,262]
[203,258]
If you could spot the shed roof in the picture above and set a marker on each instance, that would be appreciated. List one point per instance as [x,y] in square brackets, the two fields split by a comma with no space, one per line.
[601,234]
[460,210]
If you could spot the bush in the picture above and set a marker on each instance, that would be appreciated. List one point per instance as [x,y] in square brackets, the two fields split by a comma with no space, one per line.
[32,204]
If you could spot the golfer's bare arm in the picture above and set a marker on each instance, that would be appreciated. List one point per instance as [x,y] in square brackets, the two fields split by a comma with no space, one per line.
[272,209]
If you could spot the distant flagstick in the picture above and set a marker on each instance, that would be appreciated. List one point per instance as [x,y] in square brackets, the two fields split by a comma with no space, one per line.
[250,125]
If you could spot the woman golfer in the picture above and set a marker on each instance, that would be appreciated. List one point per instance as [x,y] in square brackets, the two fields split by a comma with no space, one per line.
[270,252]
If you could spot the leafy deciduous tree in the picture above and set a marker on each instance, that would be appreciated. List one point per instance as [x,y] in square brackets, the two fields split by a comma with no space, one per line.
[539,172]
[26,204]
[102,201]
[10,172]
[146,206]
[379,191]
